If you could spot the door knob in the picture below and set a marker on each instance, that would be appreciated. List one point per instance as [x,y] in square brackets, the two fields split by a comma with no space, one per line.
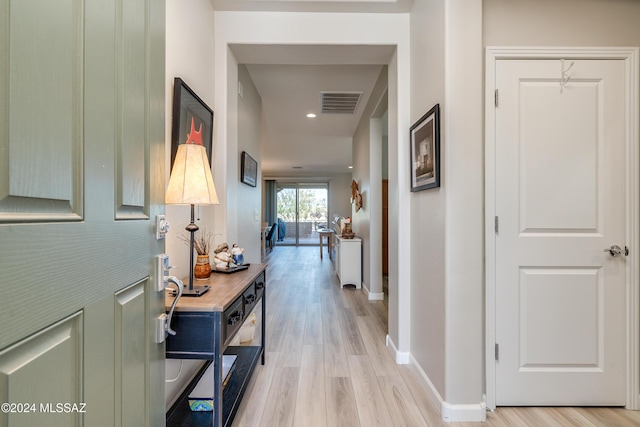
[614,250]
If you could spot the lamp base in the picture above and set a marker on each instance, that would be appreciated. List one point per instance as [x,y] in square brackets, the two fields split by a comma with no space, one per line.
[195,292]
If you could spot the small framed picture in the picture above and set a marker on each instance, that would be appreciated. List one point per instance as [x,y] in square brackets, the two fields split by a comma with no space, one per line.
[425,151]
[248,169]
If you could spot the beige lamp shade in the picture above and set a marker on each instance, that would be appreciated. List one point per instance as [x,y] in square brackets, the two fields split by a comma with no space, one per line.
[191,182]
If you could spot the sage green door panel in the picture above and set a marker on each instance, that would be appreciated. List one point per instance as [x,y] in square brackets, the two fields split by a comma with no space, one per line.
[81,181]
[42,373]
[130,356]
[41,111]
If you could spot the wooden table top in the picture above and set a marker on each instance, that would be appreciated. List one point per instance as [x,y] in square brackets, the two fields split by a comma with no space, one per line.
[224,290]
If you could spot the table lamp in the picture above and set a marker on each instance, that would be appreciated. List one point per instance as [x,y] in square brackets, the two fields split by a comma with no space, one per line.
[191,183]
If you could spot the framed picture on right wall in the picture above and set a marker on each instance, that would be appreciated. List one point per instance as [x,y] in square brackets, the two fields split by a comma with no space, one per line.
[425,151]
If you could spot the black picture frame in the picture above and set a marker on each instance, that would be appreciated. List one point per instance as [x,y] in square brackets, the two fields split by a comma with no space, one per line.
[187,106]
[248,169]
[425,151]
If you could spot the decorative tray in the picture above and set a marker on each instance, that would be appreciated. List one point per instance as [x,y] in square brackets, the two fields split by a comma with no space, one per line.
[231,270]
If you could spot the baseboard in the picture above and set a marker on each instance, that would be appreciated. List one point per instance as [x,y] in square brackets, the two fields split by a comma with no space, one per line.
[372,296]
[376,296]
[365,288]
[449,412]
[435,395]
[464,413]
[401,357]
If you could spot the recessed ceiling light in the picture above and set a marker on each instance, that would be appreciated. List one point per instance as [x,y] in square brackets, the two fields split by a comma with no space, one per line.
[311,115]
[350,167]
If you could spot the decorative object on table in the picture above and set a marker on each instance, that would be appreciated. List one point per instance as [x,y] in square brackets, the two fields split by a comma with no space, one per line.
[202,269]
[236,253]
[425,151]
[248,169]
[201,397]
[222,259]
[191,183]
[202,244]
[232,269]
[189,113]
[347,232]
[356,197]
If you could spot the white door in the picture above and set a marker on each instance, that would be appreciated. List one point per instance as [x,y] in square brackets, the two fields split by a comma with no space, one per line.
[560,201]
[81,180]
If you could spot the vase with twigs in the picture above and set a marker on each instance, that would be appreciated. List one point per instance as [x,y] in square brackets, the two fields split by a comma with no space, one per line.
[202,244]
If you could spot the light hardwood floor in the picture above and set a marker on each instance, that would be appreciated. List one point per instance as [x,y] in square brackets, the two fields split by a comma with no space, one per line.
[327,364]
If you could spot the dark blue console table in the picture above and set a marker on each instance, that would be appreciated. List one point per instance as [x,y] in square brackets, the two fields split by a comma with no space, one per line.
[205,326]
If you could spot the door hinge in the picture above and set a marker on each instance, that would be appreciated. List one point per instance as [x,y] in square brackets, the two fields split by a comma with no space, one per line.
[496,224]
[495,96]
[497,352]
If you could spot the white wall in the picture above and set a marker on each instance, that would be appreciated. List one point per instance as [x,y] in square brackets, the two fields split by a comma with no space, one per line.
[249,198]
[447,240]
[189,55]
[463,169]
[367,159]
[428,207]
[565,23]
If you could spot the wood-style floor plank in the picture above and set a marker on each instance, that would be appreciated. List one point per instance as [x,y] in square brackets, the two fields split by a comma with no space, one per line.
[328,365]
[341,403]
[350,332]
[250,410]
[311,408]
[281,398]
[313,324]
[380,357]
[371,405]
[398,399]
[335,355]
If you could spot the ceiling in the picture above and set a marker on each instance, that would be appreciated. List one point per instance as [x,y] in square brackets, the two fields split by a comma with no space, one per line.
[289,79]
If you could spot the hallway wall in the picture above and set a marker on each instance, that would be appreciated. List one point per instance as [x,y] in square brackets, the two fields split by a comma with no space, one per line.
[189,55]
[367,173]
[447,244]
[249,198]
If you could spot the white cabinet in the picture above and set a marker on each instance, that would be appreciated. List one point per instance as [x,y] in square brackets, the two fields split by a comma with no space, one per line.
[348,261]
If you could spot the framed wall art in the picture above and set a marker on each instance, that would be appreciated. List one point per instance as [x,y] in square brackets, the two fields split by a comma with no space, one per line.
[425,151]
[191,116]
[248,169]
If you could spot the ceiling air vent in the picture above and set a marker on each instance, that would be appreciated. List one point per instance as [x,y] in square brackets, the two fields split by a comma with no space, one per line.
[339,102]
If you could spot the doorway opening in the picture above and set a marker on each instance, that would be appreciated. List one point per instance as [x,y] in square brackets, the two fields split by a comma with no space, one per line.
[302,209]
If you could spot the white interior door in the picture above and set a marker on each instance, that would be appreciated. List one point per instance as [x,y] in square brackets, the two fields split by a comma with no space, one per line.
[560,201]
